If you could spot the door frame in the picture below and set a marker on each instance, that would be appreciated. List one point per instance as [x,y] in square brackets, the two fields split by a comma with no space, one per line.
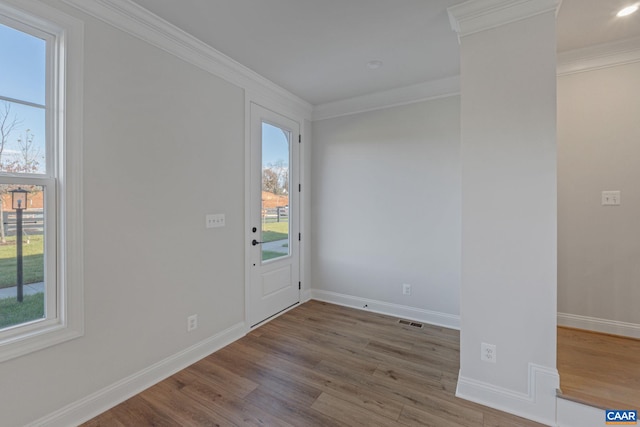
[247,235]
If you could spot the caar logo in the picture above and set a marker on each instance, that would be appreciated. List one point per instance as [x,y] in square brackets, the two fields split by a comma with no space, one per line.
[620,417]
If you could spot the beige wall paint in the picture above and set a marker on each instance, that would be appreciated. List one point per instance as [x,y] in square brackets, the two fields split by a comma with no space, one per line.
[386,205]
[599,149]
[156,130]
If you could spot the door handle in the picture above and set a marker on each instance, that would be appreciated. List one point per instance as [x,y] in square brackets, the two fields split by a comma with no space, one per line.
[255,242]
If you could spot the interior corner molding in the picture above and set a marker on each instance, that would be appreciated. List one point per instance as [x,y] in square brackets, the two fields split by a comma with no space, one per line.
[474,16]
[537,404]
[435,89]
[139,22]
[436,318]
[599,56]
[595,324]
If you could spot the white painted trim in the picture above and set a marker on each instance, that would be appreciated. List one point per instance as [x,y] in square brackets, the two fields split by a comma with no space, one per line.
[479,15]
[573,414]
[613,327]
[305,296]
[410,313]
[139,22]
[599,56]
[449,86]
[67,101]
[247,208]
[108,397]
[538,404]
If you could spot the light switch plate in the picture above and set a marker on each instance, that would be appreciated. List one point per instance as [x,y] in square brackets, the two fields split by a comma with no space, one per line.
[214,220]
[611,198]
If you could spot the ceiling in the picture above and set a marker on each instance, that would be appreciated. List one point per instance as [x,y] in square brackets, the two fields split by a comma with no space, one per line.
[583,23]
[319,49]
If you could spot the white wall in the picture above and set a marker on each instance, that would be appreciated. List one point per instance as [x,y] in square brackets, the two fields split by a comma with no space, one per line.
[386,208]
[599,246]
[163,146]
[508,289]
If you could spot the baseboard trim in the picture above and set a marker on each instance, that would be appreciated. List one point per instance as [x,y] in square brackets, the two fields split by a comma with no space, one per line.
[574,414]
[305,296]
[538,404]
[102,400]
[427,316]
[613,327]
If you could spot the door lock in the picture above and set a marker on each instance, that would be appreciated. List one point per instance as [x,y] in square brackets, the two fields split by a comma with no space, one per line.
[255,242]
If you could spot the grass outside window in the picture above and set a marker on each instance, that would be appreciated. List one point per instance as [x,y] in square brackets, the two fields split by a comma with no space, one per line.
[33,261]
[273,231]
[13,312]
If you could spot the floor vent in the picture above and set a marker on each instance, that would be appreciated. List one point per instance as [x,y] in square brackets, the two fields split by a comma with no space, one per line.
[410,323]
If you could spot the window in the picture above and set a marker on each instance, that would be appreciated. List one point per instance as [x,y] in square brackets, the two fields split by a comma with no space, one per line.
[40,170]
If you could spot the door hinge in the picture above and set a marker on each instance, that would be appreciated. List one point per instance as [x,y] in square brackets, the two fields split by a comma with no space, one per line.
[299,138]
[299,285]
[299,236]
[299,188]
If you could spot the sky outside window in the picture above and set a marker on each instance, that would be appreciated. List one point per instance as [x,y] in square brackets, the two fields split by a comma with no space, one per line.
[275,146]
[23,77]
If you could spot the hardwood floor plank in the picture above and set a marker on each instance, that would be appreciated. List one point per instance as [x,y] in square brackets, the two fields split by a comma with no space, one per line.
[318,365]
[599,369]
[239,411]
[499,420]
[428,399]
[350,414]
[351,393]
[288,410]
[106,419]
[415,417]
[275,381]
[137,411]
[215,373]
[169,396]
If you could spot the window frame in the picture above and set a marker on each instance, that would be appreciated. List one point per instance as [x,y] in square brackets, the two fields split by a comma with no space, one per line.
[62,180]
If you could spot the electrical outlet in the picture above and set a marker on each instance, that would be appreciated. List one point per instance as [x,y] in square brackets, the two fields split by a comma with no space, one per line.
[192,322]
[488,352]
[406,289]
[214,220]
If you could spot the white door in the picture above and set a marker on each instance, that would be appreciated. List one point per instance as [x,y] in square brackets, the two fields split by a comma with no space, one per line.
[274,218]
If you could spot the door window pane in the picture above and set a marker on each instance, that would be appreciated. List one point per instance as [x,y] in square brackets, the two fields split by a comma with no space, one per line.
[22,272]
[275,192]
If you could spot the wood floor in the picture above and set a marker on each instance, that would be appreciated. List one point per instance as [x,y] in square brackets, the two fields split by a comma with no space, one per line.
[318,365]
[598,369]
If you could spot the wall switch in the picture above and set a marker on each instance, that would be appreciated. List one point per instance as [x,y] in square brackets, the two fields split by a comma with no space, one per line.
[406,289]
[214,220]
[488,352]
[610,198]
[192,322]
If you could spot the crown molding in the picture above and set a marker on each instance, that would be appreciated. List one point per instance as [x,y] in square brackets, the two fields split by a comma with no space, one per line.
[599,56]
[449,86]
[474,16]
[139,22]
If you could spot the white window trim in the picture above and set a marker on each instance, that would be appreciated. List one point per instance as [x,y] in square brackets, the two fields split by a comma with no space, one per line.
[67,126]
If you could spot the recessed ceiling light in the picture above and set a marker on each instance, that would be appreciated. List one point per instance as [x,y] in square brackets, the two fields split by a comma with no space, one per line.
[374,65]
[627,10]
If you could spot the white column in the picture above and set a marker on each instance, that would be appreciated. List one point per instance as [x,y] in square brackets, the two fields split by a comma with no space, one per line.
[508,123]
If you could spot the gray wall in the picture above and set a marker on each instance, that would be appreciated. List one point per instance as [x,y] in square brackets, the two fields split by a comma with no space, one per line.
[386,205]
[509,205]
[599,149]
[164,140]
